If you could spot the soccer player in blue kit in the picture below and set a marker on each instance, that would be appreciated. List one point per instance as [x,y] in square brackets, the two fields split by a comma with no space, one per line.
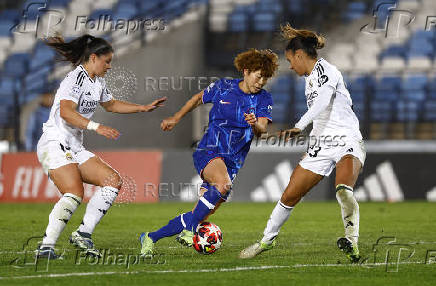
[241,110]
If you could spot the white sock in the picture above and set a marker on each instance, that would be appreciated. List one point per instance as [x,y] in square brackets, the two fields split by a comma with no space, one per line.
[97,207]
[59,217]
[349,210]
[278,217]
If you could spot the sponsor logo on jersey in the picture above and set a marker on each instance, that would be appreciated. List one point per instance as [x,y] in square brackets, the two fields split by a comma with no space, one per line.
[224,102]
[87,106]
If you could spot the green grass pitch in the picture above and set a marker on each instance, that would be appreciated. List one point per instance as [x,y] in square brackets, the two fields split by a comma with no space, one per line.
[306,253]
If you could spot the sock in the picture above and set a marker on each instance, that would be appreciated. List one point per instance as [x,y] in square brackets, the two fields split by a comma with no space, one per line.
[59,217]
[174,226]
[97,207]
[278,217]
[349,210]
[205,205]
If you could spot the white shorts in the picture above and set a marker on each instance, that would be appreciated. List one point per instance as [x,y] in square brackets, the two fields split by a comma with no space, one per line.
[53,154]
[323,159]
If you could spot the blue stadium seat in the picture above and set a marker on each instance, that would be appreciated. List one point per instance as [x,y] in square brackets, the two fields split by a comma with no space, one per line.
[296,6]
[238,22]
[387,88]
[393,51]
[174,8]
[16,65]
[264,21]
[355,10]
[5,27]
[358,83]
[280,97]
[414,82]
[407,111]
[149,6]
[381,111]
[126,7]
[430,111]
[37,80]
[422,35]
[299,109]
[8,87]
[10,14]
[359,109]
[101,12]
[5,112]
[420,48]
[42,55]
[358,96]
[413,88]
[269,6]
[281,113]
[53,4]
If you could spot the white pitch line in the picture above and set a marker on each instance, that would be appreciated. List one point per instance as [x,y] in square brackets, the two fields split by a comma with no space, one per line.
[354,265]
[137,272]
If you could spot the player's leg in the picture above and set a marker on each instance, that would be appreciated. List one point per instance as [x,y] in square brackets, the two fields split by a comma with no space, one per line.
[347,172]
[217,188]
[69,182]
[300,183]
[187,222]
[96,172]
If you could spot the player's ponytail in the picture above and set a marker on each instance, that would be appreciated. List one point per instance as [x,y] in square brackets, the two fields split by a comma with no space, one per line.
[78,50]
[306,40]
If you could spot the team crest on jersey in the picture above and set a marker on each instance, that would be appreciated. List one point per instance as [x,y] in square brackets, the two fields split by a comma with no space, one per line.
[68,156]
[75,90]
[322,80]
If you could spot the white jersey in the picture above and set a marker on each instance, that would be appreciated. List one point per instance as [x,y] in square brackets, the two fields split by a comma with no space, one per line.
[86,93]
[329,105]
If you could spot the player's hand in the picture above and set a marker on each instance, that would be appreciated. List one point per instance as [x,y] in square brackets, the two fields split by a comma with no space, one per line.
[290,133]
[250,118]
[155,104]
[168,123]
[108,132]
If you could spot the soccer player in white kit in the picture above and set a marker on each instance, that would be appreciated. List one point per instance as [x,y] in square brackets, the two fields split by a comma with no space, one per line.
[335,141]
[60,150]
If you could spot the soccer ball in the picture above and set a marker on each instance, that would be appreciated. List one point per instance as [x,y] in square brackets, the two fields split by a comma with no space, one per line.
[207,238]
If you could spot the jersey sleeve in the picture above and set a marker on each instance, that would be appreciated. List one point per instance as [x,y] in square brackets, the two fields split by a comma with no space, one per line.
[105,93]
[264,108]
[70,89]
[327,83]
[211,91]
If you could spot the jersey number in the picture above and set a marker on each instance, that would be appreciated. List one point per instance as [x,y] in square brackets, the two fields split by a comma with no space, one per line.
[313,151]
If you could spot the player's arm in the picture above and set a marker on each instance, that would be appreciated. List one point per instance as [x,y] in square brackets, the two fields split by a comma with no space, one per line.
[72,117]
[259,125]
[320,103]
[118,106]
[195,101]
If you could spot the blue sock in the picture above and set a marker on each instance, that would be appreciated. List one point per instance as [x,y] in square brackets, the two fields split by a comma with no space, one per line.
[174,226]
[205,205]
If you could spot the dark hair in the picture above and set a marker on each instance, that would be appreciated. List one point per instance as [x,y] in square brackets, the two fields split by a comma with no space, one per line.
[253,60]
[78,50]
[305,40]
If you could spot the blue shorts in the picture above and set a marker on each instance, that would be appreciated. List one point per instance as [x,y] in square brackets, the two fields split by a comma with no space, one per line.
[203,157]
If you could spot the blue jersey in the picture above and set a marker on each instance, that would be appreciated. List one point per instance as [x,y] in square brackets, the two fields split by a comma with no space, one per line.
[228,135]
